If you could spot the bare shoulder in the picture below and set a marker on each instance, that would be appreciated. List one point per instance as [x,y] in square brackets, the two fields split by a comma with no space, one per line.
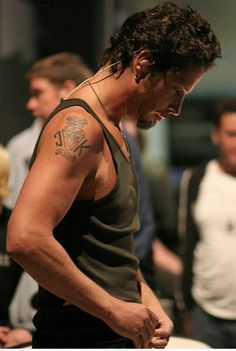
[69,152]
[73,134]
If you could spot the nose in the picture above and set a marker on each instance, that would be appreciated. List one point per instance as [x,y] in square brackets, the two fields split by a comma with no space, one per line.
[30,105]
[176,107]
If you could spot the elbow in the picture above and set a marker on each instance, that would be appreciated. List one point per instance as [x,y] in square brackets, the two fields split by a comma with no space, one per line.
[18,243]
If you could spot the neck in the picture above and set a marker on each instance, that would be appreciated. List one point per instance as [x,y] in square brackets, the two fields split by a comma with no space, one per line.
[112,93]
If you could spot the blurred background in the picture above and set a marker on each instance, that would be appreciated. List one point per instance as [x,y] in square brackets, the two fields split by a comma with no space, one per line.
[31,29]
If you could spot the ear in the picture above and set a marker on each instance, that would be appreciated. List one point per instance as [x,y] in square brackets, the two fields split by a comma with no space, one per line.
[67,86]
[142,63]
[215,136]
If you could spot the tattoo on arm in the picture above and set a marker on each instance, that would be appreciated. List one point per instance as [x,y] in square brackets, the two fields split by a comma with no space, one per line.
[71,140]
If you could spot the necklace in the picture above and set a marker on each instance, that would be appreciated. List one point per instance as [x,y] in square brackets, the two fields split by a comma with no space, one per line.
[108,116]
[86,81]
[103,106]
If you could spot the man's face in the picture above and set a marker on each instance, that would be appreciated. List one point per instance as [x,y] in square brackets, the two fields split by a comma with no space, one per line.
[165,95]
[224,137]
[44,97]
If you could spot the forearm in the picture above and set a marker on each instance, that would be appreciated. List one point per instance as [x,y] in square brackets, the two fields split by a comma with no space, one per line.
[166,259]
[164,326]
[148,297]
[50,265]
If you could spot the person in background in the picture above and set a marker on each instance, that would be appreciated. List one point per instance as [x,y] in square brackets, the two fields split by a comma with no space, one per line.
[154,255]
[143,238]
[49,79]
[73,224]
[4,217]
[8,268]
[208,229]
[166,250]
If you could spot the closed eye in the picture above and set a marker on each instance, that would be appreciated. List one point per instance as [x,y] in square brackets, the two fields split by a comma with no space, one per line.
[178,91]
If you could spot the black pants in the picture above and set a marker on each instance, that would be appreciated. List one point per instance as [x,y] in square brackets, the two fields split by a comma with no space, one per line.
[70,327]
[216,332]
[85,338]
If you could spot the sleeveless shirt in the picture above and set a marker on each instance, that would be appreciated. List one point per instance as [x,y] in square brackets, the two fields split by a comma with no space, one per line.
[98,235]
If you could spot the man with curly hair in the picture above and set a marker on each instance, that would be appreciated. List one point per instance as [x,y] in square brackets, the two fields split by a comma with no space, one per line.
[73,224]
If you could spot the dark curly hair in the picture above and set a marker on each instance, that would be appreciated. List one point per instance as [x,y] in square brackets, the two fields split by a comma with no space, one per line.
[176,37]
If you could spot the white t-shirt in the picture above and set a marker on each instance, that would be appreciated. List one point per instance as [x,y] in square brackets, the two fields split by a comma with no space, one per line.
[214,285]
[20,149]
[21,310]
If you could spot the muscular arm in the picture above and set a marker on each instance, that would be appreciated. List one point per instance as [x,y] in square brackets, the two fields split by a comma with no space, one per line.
[54,181]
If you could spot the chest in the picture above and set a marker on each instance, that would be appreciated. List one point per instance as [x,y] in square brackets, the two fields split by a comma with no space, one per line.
[113,168]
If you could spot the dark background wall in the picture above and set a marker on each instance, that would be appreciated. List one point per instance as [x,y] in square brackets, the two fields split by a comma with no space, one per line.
[55,26]
[69,26]
[13,97]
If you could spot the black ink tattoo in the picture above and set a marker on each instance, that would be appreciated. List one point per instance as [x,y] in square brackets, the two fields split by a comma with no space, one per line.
[71,140]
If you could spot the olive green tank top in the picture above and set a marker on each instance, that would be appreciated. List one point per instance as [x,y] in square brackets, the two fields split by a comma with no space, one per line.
[98,234]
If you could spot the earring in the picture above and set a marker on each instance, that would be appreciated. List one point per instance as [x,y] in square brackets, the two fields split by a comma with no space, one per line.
[138,77]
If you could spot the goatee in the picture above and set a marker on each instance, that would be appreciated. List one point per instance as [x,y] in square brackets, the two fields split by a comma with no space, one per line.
[144,124]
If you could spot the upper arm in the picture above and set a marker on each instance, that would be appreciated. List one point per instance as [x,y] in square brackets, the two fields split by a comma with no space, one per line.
[68,152]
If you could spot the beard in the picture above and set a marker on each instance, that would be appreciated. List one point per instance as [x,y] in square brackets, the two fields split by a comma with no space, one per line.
[143,123]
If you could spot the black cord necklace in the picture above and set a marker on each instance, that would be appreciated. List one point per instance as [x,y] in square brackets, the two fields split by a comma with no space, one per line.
[109,117]
[103,107]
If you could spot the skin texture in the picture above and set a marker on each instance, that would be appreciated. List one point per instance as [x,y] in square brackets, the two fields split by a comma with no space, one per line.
[81,167]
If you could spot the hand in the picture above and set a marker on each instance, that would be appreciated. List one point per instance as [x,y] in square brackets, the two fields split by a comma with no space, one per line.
[16,337]
[162,333]
[4,331]
[164,327]
[133,321]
